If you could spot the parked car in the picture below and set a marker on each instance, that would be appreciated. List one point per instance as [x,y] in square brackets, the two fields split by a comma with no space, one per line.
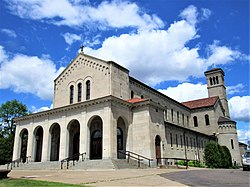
[246,161]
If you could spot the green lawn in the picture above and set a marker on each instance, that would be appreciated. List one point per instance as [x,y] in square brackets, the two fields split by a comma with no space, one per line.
[29,183]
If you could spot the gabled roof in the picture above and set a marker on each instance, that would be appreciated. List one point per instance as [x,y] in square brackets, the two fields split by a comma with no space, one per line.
[200,103]
[135,100]
[225,120]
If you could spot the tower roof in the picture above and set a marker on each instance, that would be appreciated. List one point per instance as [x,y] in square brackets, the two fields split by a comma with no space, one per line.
[214,70]
[200,103]
[225,120]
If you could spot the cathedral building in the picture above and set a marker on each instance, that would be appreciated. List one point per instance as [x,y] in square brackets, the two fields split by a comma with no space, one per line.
[100,110]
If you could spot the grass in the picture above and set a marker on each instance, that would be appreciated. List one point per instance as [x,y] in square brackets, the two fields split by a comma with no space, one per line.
[32,183]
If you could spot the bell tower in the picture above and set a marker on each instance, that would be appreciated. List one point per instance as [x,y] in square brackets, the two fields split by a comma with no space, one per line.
[216,87]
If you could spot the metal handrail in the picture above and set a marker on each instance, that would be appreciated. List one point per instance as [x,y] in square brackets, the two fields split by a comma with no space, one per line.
[138,157]
[74,157]
[15,163]
[167,158]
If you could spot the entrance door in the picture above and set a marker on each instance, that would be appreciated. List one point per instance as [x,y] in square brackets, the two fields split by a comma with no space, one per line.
[96,145]
[158,148]
[76,140]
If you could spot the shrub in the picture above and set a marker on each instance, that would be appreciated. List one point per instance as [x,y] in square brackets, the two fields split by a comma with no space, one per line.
[217,156]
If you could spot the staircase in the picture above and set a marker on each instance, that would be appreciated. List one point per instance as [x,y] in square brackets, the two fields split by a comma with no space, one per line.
[52,165]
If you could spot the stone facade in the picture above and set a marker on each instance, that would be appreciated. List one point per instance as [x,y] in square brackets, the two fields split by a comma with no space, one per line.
[99,109]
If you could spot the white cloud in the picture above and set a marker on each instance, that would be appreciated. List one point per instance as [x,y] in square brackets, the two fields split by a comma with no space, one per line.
[71,38]
[244,135]
[117,14]
[186,92]
[9,32]
[234,89]
[44,108]
[3,55]
[29,74]
[239,108]
[190,14]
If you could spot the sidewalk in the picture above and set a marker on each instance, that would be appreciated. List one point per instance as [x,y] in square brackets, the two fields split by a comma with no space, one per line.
[122,177]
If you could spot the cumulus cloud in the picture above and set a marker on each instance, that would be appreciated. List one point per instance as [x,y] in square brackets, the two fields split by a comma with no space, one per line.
[116,14]
[244,135]
[234,89]
[3,54]
[186,92]
[44,108]
[29,74]
[153,56]
[240,108]
[71,38]
[9,32]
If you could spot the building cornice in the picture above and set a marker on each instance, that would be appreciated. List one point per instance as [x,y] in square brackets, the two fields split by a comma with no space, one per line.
[75,106]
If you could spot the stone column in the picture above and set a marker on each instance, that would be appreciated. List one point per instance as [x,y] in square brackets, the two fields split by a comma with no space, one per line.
[63,139]
[30,147]
[107,122]
[17,144]
[46,140]
[83,133]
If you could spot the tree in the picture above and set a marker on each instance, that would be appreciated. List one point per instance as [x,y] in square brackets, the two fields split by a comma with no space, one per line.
[217,156]
[9,111]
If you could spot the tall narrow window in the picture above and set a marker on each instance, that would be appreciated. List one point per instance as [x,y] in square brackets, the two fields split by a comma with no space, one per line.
[217,80]
[166,114]
[195,121]
[71,94]
[207,119]
[142,97]
[178,118]
[232,143]
[183,120]
[191,144]
[187,141]
[79,99]
[132,94]
[181,141]
[88,90]
[211,81]
[172,114]
[214,81]
[176,139]
[171,140]
[187,121]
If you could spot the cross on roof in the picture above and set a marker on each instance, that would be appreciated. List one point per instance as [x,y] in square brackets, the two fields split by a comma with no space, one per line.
[81,47]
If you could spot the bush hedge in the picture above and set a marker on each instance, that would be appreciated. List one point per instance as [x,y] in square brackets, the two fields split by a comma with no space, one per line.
[217,156]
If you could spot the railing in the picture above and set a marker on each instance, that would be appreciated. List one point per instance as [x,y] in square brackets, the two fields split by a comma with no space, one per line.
[159,160]
[74,158]
[15,163]
[137,157]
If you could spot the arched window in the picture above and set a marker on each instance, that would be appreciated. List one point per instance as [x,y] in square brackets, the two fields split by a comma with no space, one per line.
[132,94]
[172,114]
[79,92]
[178,118]
[211,81]
[142,97]
[217,80]
[119,139]
[195,121]
[214,81]
[207,119]
[87,89]
[71,94]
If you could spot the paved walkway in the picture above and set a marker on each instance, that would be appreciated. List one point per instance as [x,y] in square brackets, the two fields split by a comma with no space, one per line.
[123,177]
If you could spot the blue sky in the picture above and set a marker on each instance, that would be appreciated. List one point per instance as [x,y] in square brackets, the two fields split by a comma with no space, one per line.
[167,44]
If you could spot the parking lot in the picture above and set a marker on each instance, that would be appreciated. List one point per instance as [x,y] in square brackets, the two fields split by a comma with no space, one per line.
[211,177]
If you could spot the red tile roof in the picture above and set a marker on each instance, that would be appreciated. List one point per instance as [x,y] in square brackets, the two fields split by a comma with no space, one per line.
[135,100]
[199,103]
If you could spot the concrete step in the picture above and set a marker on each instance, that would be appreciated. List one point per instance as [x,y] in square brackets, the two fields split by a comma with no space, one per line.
[38,166]
[124,164]
[92,164]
